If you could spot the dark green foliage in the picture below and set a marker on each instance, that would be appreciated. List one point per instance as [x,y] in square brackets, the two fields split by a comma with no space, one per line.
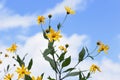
[30,64]
[66,62]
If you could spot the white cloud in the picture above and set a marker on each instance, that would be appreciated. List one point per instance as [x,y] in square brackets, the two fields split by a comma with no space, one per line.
[59,8]
[9,19]
[110,70]
[33,45]
[36,43]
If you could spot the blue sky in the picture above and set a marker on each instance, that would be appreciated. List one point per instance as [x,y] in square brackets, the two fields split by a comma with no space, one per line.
[97,19]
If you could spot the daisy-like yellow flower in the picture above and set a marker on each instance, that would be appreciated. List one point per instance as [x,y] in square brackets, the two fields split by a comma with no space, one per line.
[12,49]
[38,78]
[8,77]
[41,19]
[94,67]
[22,71]
[103,47]
[33,78]
[53,35]
[69,10]
[63,48]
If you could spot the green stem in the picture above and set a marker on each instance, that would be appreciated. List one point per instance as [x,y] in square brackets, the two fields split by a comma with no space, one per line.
[64,20]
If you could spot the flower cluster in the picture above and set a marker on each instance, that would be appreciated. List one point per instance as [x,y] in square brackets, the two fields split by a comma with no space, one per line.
[57,57]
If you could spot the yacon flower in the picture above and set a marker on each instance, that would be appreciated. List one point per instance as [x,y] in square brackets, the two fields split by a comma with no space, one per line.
[8,77]
[38,78]
[22,71]
[41,19]
[53,35]
[63,48]
[69,10]
[94,67]
[102,47]
[13,48]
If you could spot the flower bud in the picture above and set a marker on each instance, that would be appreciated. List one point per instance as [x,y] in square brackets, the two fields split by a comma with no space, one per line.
[99,43]
[47,31]
[67,45]
[14,64]
[6,55]
[0,61]
[49,15]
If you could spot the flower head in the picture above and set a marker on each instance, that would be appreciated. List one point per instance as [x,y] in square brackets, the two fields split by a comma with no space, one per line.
[103,47]
[8,77]
[63,48]
[53,35]
[38,78]
[94,67]
[22,71]
[41,19]
[69,10]
[13,48]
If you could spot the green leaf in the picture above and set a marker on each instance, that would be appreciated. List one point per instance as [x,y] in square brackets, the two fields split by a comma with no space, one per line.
[46,52]
[80,75]
[61,58]
[88,75]
[71,74]
[30,64]
[66,62]
[51,61]
[8,67]
[58,26]
[20,61]
[81,54]
[42,75]
[27,77]
[50,78]
[44,35]
[70,69]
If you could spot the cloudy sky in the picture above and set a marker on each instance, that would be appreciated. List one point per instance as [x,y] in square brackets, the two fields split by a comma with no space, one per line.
[95,20]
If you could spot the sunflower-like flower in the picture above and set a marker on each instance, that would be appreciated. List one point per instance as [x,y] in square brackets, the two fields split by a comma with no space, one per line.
[94,67]
[102,47]
[38,78]
[69,10]
[8,77]
[41,19]
[12,49]
[62,48]
[22,71]
[53,35]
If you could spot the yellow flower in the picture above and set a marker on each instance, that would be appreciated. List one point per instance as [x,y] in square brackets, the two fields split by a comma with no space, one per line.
[22,71]
[53,35]
[103,47]
[33,78]
[13,48]
[69,10]
[8,77]
[94,67]
[38,78]
[41,19]
[62,48]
